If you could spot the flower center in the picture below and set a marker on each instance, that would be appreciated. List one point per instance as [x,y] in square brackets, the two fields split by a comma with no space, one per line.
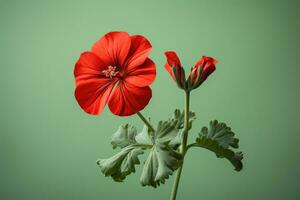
[110,71]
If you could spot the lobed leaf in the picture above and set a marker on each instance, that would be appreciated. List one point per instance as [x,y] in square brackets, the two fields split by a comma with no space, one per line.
[124,136]
[121,164]
[179,118]
[219,138]
[162,160]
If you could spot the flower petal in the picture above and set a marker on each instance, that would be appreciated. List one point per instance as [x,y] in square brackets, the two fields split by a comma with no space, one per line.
[206,60]
[208,65]
[139,50]
[207,71]
[173,66]
[88,66]
[128,99]
[143,75]
[202,69]
[172,61]
[93,94]
[172,58]
[169,69]
[113,48]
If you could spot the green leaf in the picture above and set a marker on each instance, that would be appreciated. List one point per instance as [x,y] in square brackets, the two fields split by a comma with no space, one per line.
[219,138]
[144,137]
[123,163]
[165,132]
[162,160]
[179,118]
[124,136]
[160,164]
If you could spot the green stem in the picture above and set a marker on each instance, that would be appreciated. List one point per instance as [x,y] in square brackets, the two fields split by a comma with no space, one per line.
[183,145]
[146,122]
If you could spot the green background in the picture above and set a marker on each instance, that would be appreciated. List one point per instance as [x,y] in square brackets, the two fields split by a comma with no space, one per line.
[49,146]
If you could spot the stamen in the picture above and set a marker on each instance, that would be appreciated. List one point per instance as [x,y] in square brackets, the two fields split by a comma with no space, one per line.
[110,71]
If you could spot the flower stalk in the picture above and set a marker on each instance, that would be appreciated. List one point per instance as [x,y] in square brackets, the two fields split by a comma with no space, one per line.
[146,122]
[183,147]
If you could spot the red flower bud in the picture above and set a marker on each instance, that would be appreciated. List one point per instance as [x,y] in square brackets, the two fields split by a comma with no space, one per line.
[202,69]
[175,69]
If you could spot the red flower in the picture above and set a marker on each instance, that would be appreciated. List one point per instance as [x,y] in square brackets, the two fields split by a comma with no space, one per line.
[202,69]
[116,71]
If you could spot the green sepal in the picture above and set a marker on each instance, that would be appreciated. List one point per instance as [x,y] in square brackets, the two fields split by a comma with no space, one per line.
[179,80]
[198,81]
[189,82]
[219,139]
